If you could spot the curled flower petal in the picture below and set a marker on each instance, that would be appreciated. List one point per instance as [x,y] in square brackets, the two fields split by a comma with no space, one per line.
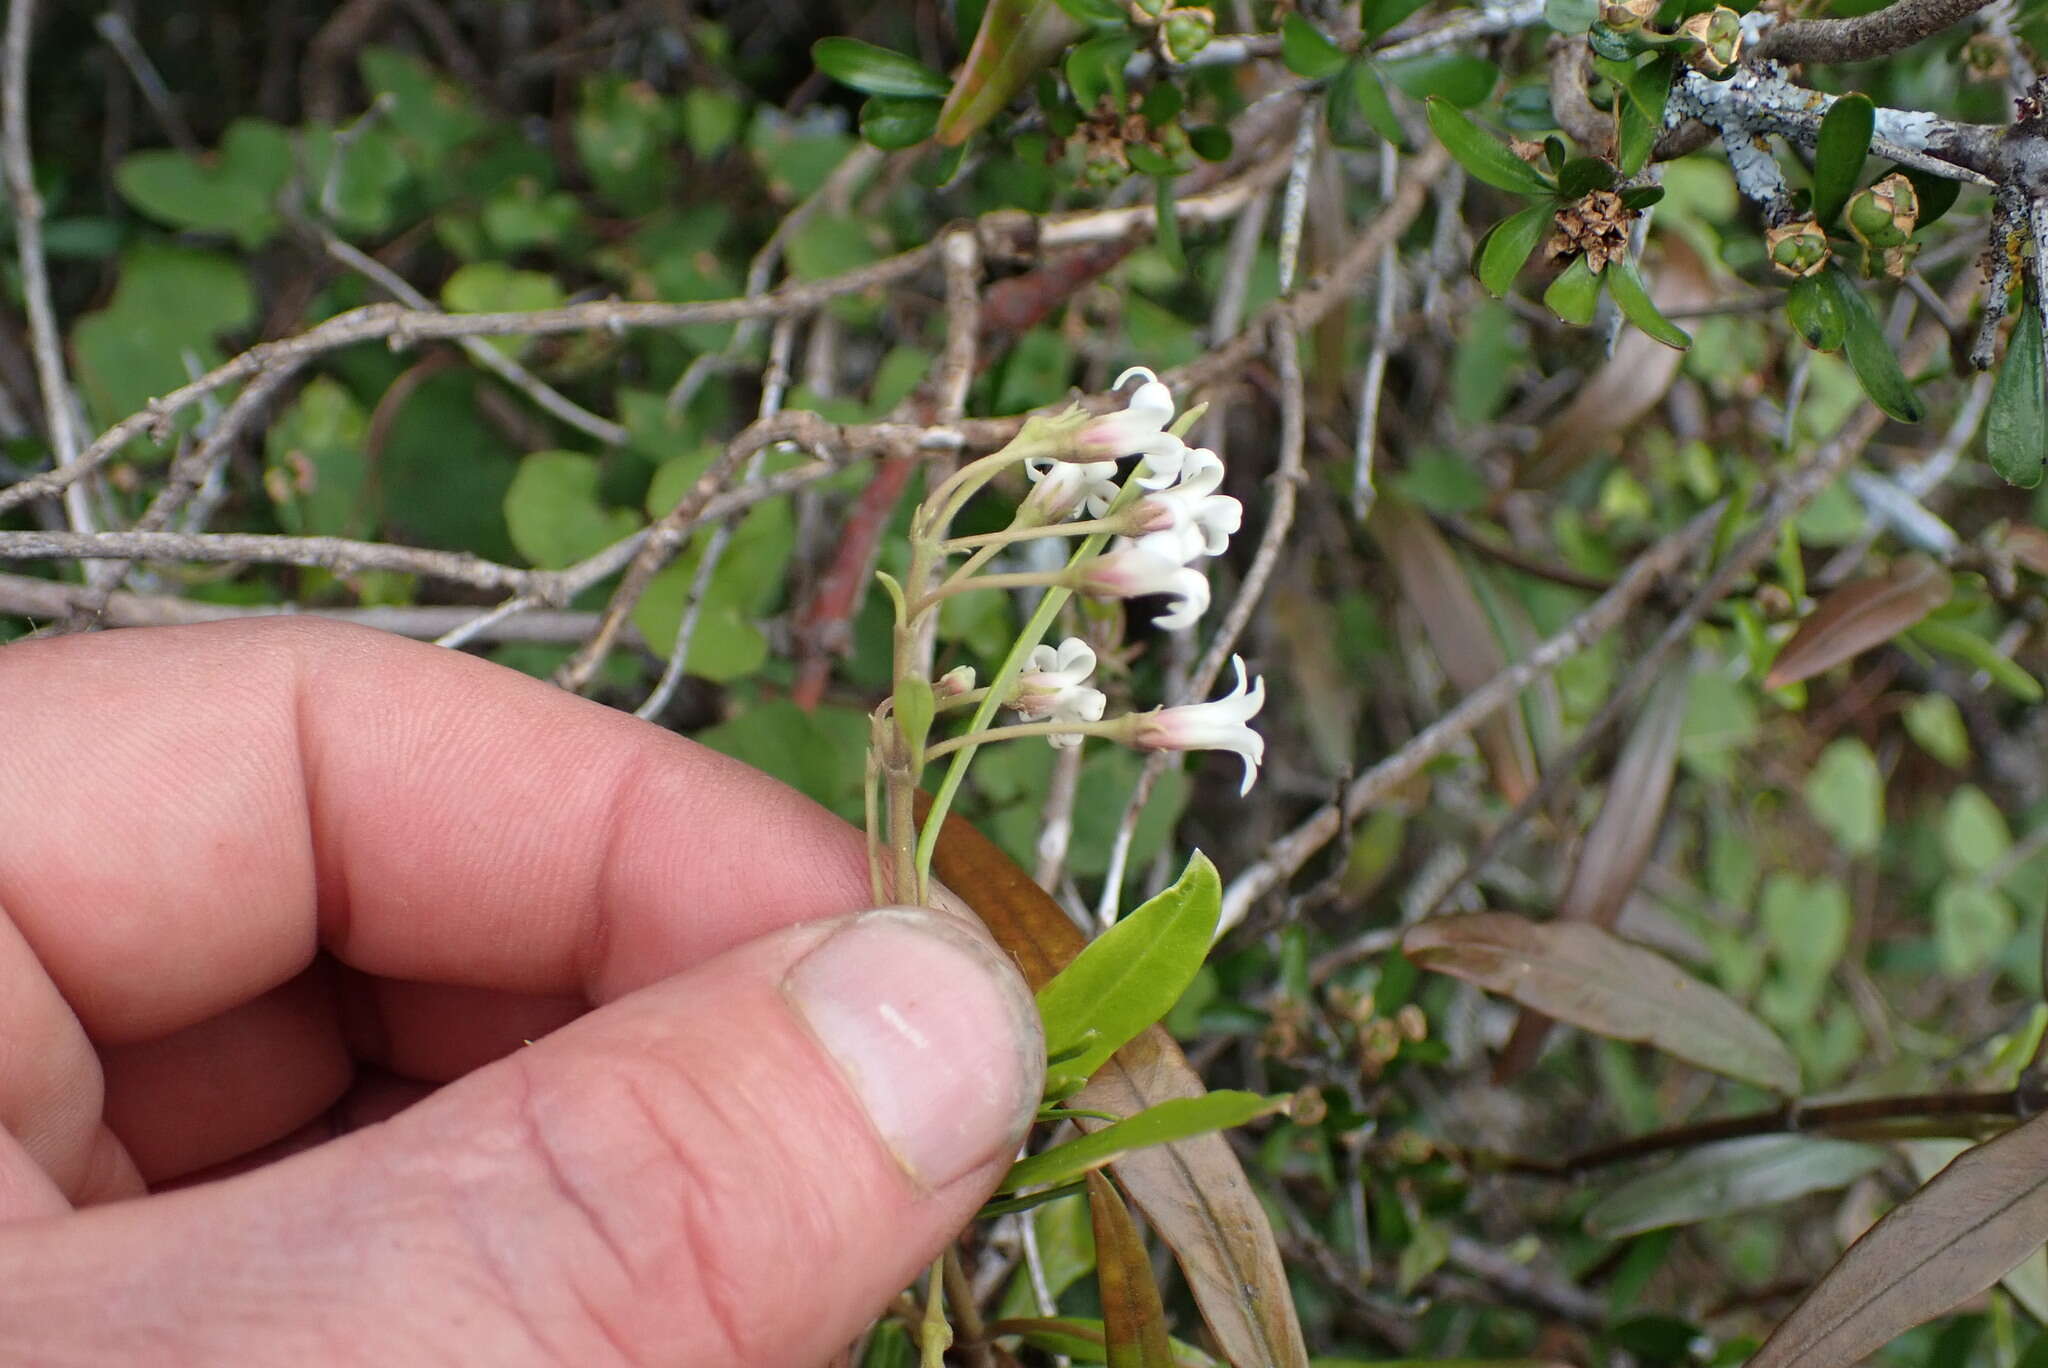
[1053,687]
[1062,487]
[1130,571]
[1219,724]
[1190,519]
[1140,430]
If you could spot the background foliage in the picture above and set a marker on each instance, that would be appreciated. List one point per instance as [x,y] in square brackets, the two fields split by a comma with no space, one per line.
[1821,792]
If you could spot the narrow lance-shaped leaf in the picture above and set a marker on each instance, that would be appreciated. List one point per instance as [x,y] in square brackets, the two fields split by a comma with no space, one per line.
[1017,40]
[1859,615]
[1618,845]
[1952,638]
[1839,149]
[1079,1337]
[1133,973]
[1734,1175]
[1133,1318]
[1435,582]
[1603,984]
[1306,52]
[1962,1232]
[1193,1192]
[1627,288]
[1175,1120]
[1482,155]
[2016,423]
[1359,105]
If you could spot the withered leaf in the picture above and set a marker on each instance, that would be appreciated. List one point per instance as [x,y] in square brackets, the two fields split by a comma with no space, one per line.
[1593,979]
[1972,1224]
[1434,580]
[1859,615]
[1618,845]
[1133,1317]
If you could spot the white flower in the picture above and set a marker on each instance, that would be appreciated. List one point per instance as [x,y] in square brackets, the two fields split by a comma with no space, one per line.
[1140,430]
[1063,486]
[1190,518]
[1218,724]
[1054,687]
[1130,571]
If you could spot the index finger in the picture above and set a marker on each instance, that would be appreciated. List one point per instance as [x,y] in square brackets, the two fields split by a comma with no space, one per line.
[194,811]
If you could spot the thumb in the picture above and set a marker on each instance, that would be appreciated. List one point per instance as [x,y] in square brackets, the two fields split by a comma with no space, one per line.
[738,1165]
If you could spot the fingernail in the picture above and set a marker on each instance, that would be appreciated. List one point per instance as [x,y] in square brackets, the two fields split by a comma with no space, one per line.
[934,1030]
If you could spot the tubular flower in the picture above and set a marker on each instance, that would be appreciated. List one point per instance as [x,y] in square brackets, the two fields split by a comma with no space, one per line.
[1218,724]
[1061,487]
[1190,518]
[1054,686]
[1140,430]
[1130,571]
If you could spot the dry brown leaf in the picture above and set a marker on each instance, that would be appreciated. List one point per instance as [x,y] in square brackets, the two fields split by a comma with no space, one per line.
[1974,1223]
[1595,980]
[1612,858]
[1859,615]
[1194,1192]
[1433,579]
[1133,1317]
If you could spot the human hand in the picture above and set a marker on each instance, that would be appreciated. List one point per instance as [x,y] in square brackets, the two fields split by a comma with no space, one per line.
[279,905]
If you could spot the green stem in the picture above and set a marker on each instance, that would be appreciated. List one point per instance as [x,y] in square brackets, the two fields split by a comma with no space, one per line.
[1017,579]
[1113,727]
[1061,529]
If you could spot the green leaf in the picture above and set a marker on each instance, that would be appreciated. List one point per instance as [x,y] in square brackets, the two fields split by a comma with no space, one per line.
[316,466]
[1095,70]
[1934,721]
[1103,12]
[554,513]
[494,287]
[1845,793]
[1177,1119]
[1806,922]
[1131,975]
[877,70]
[1575,294]
[1460,78]
[1973,831]
[233,191]
[1482,155]
[1814,312]
[1379,16]
[168,306]
[1212,142]
[1359,108]
[1972,924]
[1305,51]
[1838,153]
[1017,40]
[892,122]
[2016,423]
[1876,365]
[1937,193]
[1954,639]
[1642,113]
[1571,16]
[1508,246]
[1731,1176]
[1580,176]
[1636,306]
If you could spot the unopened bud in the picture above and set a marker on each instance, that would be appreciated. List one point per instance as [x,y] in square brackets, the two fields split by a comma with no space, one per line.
[1719,34]
[954,682]
[1798,249]
[1885,214]
[1186,32]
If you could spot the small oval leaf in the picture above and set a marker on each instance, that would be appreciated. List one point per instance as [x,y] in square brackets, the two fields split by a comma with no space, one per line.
[2016,424]
[876,70]
[1839,149]
[1601,983]
[1870,355]
[1575,294]
[1814,313]
[1306,52]
[1627,288]
[1859,615]
[1508,247]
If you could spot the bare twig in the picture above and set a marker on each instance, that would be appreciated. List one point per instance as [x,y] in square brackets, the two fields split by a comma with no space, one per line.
[1865,36]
